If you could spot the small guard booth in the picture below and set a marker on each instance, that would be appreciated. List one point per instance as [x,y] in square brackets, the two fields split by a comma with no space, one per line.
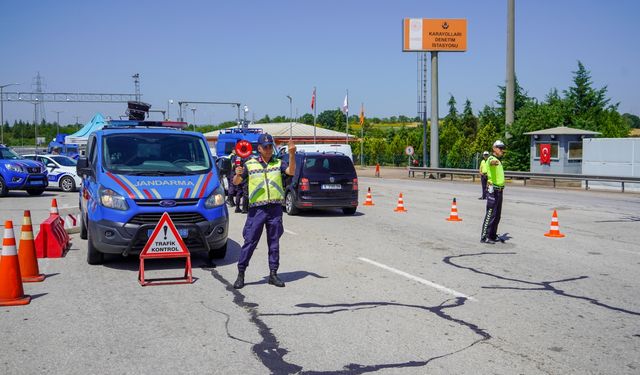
[557,150]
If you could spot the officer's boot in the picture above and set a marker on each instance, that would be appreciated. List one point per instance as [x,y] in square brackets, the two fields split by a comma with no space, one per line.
[238,209]
[275,280]
[239,284]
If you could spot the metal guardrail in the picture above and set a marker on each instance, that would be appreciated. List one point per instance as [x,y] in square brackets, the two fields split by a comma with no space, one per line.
[526,176]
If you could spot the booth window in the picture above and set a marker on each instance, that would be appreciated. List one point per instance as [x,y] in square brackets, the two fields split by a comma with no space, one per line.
[554,149]
[575,150]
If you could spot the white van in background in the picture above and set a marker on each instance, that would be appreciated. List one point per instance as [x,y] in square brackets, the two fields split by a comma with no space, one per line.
[321,147]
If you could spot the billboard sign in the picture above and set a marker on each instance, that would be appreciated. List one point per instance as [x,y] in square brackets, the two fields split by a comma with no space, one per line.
[422,34]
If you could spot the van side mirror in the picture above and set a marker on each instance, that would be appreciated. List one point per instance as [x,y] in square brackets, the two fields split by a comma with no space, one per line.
[82,168]
[224,165]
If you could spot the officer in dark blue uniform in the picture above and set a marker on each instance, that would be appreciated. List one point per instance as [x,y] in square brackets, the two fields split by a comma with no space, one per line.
[266,196]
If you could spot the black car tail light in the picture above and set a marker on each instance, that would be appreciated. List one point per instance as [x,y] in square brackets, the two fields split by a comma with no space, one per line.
[304,184]
[355,184]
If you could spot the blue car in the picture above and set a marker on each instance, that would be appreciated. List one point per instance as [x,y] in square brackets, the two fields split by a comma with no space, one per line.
[133,172]
[18,173]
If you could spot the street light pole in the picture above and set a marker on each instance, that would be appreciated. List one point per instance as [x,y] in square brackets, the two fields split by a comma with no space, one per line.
[58,120]
[168,103]
[194,118]
[2,110]
[290,116]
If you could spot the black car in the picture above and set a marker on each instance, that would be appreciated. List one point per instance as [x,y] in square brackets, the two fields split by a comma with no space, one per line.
[321,180]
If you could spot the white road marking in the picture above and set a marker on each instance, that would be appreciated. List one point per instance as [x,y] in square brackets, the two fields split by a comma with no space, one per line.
[418,279]
[290,232]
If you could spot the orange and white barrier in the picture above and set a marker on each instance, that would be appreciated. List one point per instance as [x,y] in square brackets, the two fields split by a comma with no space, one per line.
[11,291]
[554,230]
[453,215]
[27,252]
[400,206]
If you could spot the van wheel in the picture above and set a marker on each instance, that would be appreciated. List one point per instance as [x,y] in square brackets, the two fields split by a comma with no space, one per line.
[289,205]
[218,253]
[93,255]
[67,184]
[35,191]
[83,229]
[3,188]
[349,210]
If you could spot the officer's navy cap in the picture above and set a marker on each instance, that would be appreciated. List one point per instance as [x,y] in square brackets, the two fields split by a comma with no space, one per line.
[498,144]
[265,139]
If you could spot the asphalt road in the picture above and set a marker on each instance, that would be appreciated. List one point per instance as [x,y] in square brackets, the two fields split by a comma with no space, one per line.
[378,292]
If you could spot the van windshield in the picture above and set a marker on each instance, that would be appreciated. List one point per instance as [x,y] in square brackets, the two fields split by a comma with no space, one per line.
[155,154]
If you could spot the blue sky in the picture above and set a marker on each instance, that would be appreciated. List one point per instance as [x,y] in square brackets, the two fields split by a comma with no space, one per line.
[257,52]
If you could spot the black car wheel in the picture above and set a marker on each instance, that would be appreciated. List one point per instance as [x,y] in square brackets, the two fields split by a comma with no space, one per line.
[83,228]
[349,210]
[289,205]
[93,255]
[3,188]
[67,184]
[35,191]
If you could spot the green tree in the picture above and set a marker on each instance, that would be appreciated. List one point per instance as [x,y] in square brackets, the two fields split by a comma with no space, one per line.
[632,120]
[469,122]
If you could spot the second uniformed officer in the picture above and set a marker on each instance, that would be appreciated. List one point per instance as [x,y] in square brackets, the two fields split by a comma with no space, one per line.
[483,174]
[495,177]
[266,196]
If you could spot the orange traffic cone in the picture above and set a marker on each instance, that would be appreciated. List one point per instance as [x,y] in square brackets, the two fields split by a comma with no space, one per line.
[27,252]
[400,207]
[54,207]
[554,230]
[369,200]
[11,292]
[453,216]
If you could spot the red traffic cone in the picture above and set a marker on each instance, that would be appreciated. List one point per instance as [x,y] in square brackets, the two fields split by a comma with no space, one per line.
[400,207]
[11,292]
[453,216]
[27,252]
[54,207]
[554,230]
[369,200]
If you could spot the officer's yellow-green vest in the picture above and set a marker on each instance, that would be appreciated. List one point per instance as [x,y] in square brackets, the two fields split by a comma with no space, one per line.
[495,173]
[483,167]
[265,184]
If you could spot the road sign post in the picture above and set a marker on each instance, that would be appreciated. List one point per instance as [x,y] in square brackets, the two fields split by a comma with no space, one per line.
[165,242]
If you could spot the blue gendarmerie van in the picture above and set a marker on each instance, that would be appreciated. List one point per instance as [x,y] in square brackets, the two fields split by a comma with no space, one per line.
[133,172]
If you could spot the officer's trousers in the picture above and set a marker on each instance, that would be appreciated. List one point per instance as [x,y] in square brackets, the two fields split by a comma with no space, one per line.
[269,216]
[492,217]
[483,181]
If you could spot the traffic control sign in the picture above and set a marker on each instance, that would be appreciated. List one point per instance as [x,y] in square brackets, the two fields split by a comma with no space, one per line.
[165,242]
[409,150]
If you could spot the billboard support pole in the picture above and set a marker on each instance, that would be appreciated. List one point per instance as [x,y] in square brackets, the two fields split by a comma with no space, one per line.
[434,111]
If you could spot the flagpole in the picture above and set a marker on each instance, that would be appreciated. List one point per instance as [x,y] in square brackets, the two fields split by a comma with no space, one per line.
[347,118]
[315,105]
[362,135]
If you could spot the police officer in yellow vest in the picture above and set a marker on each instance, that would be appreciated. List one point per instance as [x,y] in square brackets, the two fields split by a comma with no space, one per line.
[483,174]
[495,177]
[266,196]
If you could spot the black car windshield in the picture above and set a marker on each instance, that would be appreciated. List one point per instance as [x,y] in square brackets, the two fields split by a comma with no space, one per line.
[64,161]
[8,154]
[328,164]
[160,153]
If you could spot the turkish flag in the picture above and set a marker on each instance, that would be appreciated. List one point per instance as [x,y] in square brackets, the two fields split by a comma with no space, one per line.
[545,153]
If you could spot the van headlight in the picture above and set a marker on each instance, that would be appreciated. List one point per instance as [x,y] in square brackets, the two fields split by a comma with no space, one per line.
[111,199]
[15,168]
[216,198]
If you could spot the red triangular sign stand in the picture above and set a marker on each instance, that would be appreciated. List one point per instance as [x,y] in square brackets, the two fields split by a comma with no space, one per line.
[165,242]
